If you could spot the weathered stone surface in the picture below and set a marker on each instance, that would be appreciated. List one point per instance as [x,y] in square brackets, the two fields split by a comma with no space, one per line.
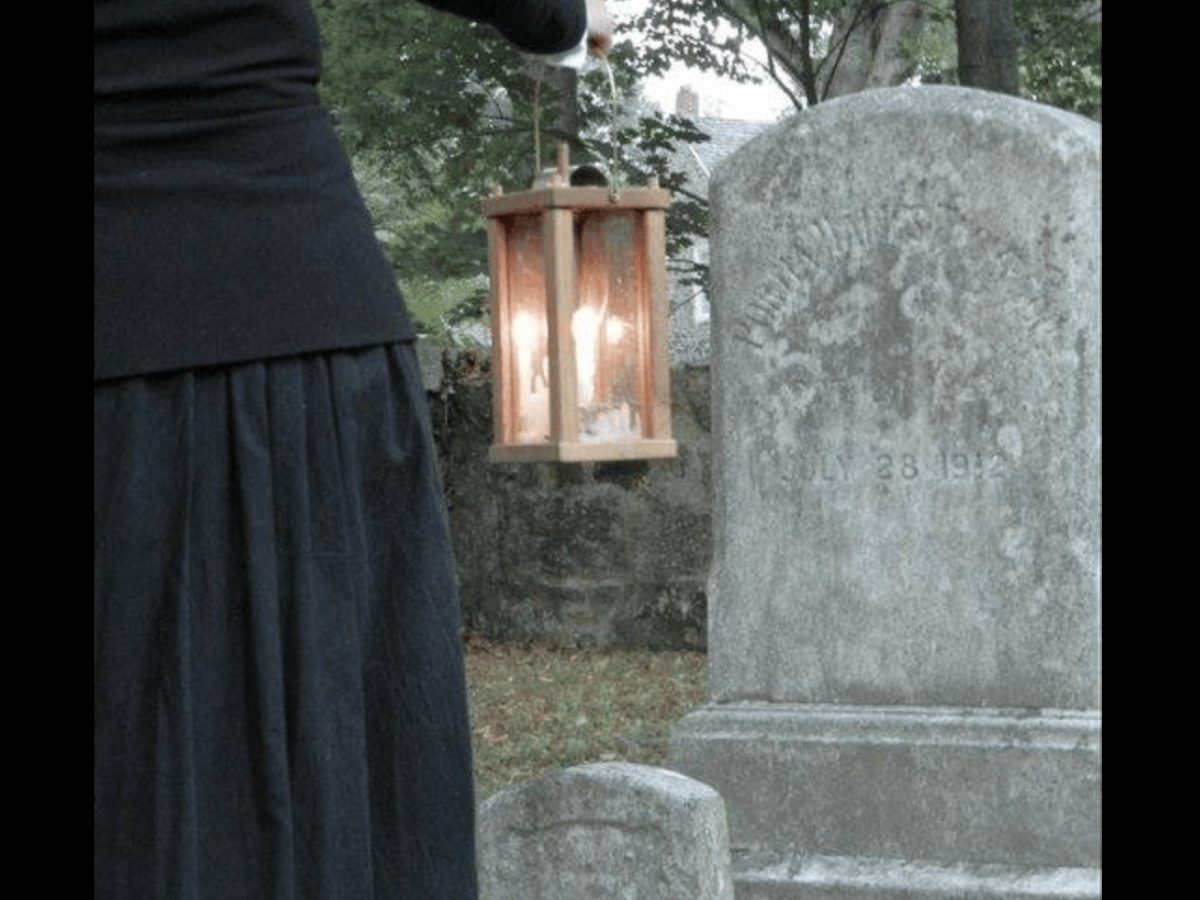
[907,331]
[844,878]
[904,599]
[940,785]
[429,358]
[587,554]
[607,831]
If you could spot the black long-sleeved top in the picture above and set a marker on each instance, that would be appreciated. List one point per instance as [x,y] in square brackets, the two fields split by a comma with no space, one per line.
[228,226]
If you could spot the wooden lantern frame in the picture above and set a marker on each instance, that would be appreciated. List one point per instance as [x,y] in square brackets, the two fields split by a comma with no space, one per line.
[538,264]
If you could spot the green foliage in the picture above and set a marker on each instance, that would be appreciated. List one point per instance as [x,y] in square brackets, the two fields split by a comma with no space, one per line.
[416,87]
[422,102]
[650,144]
[1059,60]
[1058,54]
[806,40]
[435,109]
[435,254]
[933,51]
[702,34]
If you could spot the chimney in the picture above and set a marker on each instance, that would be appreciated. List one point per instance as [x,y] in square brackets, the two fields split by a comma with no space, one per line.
[687,102]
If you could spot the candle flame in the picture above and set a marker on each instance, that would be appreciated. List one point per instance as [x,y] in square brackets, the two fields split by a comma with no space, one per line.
[533,400]
[585,328]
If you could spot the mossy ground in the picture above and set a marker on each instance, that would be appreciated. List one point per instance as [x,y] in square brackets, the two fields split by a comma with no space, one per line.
[536,709]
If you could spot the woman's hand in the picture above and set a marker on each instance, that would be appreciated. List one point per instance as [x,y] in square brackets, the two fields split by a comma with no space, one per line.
[599,28]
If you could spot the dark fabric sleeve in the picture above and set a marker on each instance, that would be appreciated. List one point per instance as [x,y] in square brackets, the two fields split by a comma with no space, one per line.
[537,26]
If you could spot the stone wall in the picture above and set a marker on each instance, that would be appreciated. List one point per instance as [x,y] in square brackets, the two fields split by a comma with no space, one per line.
[584,554]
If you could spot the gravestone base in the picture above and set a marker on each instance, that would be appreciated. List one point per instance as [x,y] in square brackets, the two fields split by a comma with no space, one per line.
[847,802]
[839,878]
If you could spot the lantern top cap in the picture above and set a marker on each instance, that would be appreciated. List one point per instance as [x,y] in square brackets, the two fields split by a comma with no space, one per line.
[554,190]
[564,196]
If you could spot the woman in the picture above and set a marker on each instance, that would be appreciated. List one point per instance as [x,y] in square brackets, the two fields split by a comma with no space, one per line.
[279,706]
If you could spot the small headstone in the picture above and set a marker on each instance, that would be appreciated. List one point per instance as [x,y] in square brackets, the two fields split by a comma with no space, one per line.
[606,831]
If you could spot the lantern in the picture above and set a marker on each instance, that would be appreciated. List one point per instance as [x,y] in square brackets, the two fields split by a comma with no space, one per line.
[579,319]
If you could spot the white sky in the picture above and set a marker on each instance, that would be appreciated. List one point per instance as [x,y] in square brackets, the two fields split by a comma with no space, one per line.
[718,98]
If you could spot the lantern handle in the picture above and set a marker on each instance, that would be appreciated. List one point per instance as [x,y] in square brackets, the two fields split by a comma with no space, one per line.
[563,170]
[612,166]
[537,126]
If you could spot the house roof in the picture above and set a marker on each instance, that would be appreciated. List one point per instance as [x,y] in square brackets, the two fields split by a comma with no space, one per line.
[726,136]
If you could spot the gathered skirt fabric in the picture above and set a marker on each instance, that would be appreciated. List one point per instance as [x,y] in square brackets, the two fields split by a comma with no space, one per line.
[279,701]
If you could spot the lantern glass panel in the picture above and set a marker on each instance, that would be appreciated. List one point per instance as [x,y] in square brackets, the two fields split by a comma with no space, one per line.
[529,365]
[608,327]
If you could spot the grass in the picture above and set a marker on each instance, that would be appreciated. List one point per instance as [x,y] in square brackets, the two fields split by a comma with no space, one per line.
[536,709]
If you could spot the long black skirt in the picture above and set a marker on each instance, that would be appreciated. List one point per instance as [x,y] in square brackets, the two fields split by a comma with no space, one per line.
[279,702]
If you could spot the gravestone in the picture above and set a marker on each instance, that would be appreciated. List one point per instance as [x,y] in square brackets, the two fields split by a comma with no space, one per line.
[904,597]
[605,831]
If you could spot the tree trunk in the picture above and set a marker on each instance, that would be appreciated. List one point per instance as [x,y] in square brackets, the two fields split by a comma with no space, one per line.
[867,49]
[987,45]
